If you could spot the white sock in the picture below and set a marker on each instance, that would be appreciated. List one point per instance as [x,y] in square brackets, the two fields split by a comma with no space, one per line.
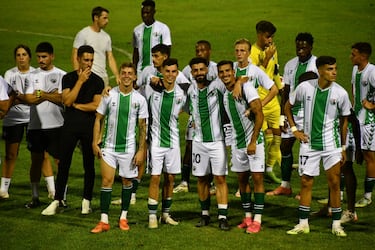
[285,184]
[104,218]
[5,183]
[269,169]
[184,183]
[304,222]
[367,195]
[50,182]
[258,218]
[336,223]
[248,215]
[205,212]
[124,214]
[65,192]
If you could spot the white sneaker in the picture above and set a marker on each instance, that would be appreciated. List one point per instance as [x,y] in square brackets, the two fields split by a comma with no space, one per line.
[4,195]
[339,232]
[348,216]
[86,208]
[133,199]
[299,229]
[51,209]
[364,202]
[181,188]
[116,202]
[168,220]
[152,222]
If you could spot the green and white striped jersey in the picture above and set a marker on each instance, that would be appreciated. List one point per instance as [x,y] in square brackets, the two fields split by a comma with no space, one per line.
[243,127]
[164,110]
[206,107]
[122,113]
[322,110]
[363,84]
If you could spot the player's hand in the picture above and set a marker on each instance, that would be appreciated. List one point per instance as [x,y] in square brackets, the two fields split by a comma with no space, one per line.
[301,136]
[343,158]
[237,90]
[106,90]
[270,51]
[96,150]
[138,158]
[251,148]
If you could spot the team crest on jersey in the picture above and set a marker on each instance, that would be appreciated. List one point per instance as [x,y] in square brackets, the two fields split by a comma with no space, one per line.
[365,83]
[136,105]
[211,93]
[53,78]
[179,100]
[333,101]
[156,34]
[113,104]
[308,98]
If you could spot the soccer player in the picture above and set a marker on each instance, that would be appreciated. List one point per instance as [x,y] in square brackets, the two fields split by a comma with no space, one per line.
[294,68]
[81,95]
[44,93]
[248,144]
[202,49]
[148,34]
[363,84]
[165,107]
[326,107]
[95,36]
[264,55]
[209,155]
[4,106]
[125,110]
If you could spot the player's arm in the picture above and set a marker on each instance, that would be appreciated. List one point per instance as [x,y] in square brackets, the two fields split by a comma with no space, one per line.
[343,133]
[298,134]
[53,96]
[237,90]
[96,141]
[256,109]
[356,129]
[113,66]
[139,156]
[273,91]
[135,57]
[74,59]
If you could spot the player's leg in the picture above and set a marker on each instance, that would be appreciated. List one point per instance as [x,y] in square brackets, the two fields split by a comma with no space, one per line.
[369,157]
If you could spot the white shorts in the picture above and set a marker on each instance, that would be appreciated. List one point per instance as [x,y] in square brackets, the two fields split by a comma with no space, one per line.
[309,160]
[242,162]
[124,161]
[189,129]
[228,132]
[368,137]
[165,159]
[209,157]
[299,124]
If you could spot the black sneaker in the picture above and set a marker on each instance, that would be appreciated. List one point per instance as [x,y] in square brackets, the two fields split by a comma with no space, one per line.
[205,220]
[34,203]
[223,224]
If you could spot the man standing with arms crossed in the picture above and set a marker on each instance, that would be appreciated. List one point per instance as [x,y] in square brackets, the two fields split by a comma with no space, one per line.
[363,84]
[294,68]
[96,37]
[44,93]
[164,146]
[81,95]
[148,34]
[209,155]
[326,110]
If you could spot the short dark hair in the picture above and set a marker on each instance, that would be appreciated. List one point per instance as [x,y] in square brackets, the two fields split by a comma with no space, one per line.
[323,60]
[162,48]
[85,49]
[363,48]
[97,11]
[265,26]
[44,47]
[305,37]
[197,60]
[170,62]
[224,62]
[148,3]
[308,75]
[128,65]
[207,43]
[25,47]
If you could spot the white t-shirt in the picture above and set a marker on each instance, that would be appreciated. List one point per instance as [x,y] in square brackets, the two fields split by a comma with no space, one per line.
[4,88]
[101,42]
[19,82]
[122,113]
[46,115]
[146,37]
[322,110]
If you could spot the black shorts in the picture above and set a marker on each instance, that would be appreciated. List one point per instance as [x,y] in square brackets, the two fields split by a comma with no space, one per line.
[14,134]
[40,140]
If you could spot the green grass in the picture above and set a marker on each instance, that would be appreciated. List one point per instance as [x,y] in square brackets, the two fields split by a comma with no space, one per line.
[335,25]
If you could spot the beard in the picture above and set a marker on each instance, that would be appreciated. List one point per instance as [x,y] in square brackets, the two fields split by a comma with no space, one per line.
[202,79]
